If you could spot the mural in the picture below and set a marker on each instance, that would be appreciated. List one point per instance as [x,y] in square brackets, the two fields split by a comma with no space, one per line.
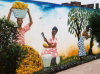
[46,34]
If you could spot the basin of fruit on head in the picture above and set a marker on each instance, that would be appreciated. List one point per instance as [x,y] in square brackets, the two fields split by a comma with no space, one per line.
[19,9]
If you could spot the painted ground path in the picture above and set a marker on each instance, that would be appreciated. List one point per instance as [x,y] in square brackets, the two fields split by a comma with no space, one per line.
[92,67]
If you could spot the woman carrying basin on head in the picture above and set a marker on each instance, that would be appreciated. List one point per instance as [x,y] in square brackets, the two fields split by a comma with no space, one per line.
[22,30]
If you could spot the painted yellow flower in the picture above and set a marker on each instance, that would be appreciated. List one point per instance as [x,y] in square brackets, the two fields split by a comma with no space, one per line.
[32,62]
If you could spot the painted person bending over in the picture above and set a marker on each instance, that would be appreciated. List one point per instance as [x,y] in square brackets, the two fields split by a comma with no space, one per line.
[81,46]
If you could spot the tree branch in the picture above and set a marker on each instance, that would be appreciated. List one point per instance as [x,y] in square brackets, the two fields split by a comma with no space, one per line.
[75,30]
[81,23]
[77,24]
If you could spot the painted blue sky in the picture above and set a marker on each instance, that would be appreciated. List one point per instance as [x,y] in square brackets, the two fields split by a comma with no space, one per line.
[45,6]
[61,1]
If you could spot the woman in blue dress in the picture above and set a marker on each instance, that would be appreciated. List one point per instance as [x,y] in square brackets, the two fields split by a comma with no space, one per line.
[81,46]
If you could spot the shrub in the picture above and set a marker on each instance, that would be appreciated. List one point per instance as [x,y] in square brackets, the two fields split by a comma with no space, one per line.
[11,53]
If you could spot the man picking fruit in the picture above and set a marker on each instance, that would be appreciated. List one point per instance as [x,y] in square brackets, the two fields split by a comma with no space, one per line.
[22,30]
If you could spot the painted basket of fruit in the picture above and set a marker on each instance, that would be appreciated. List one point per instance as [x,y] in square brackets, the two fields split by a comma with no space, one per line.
[19,9]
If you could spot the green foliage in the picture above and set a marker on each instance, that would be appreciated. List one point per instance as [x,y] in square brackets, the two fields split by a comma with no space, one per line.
[69,59]
[8,33]
[94,22]
[10,60]
[11,53]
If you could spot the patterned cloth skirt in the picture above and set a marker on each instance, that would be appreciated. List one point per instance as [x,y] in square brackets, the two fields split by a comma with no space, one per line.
[51,51]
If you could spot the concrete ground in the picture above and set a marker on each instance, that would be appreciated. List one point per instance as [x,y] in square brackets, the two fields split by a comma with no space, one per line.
[92,67]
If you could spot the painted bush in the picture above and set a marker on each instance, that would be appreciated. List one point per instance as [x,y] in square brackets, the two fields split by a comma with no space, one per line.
[31,63]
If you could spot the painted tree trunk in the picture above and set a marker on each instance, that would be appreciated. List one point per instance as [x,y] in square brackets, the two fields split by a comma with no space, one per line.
[91,45]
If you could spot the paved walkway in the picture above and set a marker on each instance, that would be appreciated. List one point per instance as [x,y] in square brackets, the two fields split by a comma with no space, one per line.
[92,67]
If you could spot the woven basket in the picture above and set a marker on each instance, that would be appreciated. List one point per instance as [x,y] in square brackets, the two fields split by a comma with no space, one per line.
[18,13]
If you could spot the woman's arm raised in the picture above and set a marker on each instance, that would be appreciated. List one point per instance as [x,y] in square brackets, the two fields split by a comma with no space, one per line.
[31,22]
[9,14]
